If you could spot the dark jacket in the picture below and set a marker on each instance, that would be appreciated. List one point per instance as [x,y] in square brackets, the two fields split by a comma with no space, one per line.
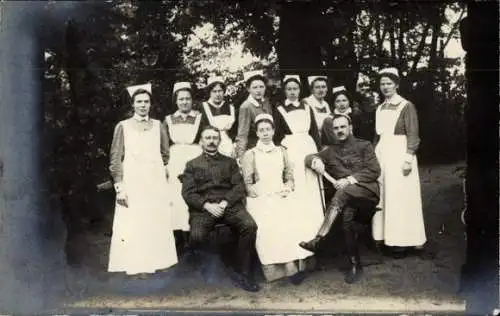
[353,157]
[212,179]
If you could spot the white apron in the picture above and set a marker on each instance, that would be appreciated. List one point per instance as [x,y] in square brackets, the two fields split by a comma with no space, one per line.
[278,219]
[299,144]
[401,222]
[142,239]
[224,123]
[181,151]
[318,116]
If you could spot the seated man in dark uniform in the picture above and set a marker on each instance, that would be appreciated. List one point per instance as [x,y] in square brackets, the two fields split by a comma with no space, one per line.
[352,162]
[214,190]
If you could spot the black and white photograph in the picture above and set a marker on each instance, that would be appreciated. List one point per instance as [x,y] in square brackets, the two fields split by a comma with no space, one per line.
[262,157]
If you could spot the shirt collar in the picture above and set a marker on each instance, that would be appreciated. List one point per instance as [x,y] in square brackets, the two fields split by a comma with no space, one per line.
[394,100]
[214,156]
[348,141]
[265,148]
[316,103]
[346,112]
[139,118]
[178,113]
[215,105]
[253,100]
[295,103]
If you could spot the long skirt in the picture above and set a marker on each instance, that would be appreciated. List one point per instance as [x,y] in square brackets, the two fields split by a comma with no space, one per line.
[142,240]
[279,234]
[307,184]
[179,155]
[400,221]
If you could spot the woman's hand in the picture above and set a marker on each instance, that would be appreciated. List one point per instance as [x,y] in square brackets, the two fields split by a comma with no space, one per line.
[122,199]
[284,192]
[251,191]
[406,168]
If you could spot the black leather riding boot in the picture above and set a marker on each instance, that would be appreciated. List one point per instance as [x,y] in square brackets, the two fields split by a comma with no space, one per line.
[355,269]
[331,215]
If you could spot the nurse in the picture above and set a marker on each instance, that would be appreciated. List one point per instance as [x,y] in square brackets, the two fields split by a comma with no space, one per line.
[220,114]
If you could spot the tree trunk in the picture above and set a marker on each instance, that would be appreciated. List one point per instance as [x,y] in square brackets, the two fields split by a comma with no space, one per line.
[392,36]
[299,42]
[403,28]
[433,55]
[420,50]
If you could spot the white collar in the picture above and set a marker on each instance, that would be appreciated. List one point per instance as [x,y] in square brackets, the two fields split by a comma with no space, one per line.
[265,148]
[394,100]
[346,112]
[139,118]
[215,105]
[253,100]
[316,103]
[178,113]
[295,103]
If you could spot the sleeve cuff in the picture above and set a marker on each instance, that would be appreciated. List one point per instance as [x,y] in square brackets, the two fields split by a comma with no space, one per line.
[352,180]
[118,187]
[409,158]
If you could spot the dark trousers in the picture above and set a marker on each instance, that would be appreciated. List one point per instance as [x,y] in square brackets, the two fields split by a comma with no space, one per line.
[349,201]
[241,224]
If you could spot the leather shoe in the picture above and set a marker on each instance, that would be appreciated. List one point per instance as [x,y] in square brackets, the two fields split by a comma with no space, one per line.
[244,282]
[355,271]
[297,278]
[311,245]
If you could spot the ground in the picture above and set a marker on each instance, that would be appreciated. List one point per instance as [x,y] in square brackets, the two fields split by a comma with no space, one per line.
[410,284]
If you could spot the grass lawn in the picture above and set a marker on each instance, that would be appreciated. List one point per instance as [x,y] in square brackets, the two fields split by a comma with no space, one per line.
[409,284]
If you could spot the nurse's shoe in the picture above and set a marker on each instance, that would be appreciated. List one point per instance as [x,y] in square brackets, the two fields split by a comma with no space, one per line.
[297,278]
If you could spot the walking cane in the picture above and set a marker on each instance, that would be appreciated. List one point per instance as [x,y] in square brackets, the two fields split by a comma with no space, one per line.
[322,188]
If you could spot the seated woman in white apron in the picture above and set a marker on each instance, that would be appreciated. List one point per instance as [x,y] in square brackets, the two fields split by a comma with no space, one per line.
[220,114]
[278,213]
[142,240]
[183,129]
[316,101]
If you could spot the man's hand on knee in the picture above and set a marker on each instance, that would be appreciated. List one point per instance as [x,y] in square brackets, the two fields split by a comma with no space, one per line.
[214,208]
[341,183]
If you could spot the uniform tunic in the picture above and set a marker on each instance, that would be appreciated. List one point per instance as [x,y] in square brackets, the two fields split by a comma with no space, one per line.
[247,137]
[267,169]
[353,157]
[401,221]
[366,120]
[142,240]
[222,117]
[214,179]
[184,133]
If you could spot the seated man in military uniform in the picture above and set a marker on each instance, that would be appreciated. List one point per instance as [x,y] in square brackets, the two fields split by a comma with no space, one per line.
[352,162]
